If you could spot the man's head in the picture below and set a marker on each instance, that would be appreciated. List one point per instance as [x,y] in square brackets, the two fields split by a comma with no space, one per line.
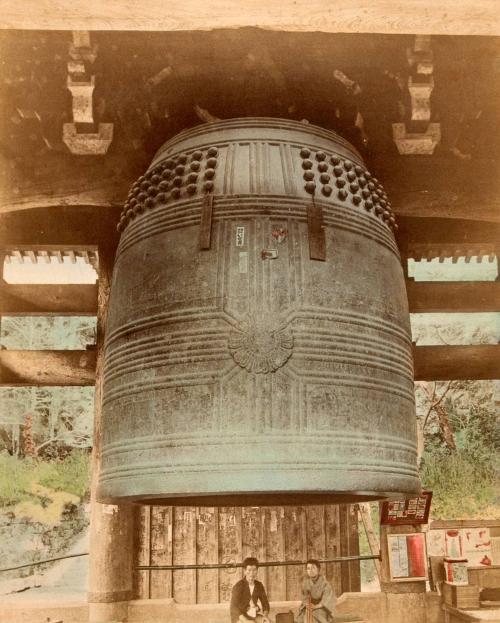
[250,566]
[312,568]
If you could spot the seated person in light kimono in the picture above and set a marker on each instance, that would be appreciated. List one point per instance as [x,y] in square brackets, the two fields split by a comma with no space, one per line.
[248,598]
[318,598]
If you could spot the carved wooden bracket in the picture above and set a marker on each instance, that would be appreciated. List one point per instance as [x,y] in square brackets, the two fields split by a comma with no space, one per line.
[81,87]
[82,99]
[416,142]
[420,86]
[88,143]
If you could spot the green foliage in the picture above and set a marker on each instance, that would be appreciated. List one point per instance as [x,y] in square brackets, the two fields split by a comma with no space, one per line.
[71,474]
[464,481]
[462,486]
[17,476]
[478,434]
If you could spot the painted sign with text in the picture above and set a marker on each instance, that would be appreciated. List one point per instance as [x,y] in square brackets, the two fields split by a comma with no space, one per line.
[406,512]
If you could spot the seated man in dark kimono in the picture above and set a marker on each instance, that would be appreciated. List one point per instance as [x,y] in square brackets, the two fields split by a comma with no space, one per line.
[318,598]
[248,598]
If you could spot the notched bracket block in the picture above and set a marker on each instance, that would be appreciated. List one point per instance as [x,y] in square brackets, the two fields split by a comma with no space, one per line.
[422,143]
[88,144]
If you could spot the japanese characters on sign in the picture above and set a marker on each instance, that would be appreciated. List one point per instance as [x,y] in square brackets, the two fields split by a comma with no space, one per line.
[410,511]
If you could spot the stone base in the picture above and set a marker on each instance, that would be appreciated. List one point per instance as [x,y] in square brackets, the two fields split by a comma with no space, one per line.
[367,607]
[115,612]
[362,607]
[33,610]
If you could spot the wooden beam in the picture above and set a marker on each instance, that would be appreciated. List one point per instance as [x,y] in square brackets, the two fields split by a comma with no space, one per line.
[75,226]
[47,367]
[36,254]
[48,300]
[428,251]
[456,363]
[380,16]
[61,226]
[435,231]
[101,194]
[372,538]
[445,524]
[418,186]
[65,367]
[438,186]
[453,296]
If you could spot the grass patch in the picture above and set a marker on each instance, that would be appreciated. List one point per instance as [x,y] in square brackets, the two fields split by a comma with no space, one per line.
[463,487]
[71,474]
[17,476]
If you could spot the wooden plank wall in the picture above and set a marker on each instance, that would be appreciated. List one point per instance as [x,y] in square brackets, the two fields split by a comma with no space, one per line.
[186,535]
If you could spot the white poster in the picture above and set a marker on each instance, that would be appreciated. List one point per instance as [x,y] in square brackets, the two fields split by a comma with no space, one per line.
[435,543]
[476,546]
[399,557]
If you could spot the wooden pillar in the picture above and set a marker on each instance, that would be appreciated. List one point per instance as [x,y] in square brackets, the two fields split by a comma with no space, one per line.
[350,572]
[386,585]
[3,287]
[405,601]
[2,282]
[111,526]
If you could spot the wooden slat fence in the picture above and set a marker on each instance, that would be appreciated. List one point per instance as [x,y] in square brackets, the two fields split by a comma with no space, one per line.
[187,535]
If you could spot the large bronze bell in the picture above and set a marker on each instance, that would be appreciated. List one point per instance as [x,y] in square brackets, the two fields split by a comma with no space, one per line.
[258,347]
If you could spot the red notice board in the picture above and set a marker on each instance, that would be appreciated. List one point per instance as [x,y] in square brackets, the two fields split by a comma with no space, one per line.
[404,512]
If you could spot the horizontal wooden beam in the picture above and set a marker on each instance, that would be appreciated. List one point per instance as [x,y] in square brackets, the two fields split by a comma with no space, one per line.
[102,195]
[453,296]
[381,16]
[47,367]
[36,253]
[418,186]
[445,524]
[85,225]
[456,363]
[425,251]
[61,226]
[65,367]
[81,300]
[48,300]
[438,186]
[432,232]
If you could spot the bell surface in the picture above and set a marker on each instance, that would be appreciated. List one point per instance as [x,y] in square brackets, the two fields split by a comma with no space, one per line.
[258,346]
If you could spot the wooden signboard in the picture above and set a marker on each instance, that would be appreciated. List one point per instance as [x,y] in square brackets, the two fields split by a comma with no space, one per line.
[407,557]
[406,512]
